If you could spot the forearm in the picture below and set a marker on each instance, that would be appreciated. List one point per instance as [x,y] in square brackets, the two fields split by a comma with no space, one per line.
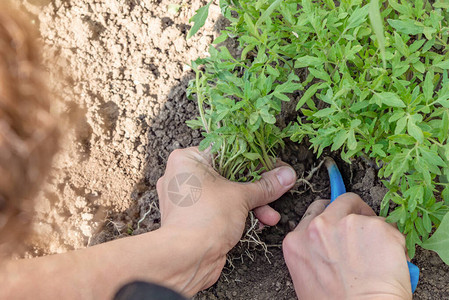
[173,258]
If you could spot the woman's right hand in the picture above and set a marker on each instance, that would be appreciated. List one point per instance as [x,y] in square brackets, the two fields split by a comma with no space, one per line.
[345,251]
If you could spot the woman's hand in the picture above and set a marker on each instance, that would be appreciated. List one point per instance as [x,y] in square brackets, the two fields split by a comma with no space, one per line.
[345,251]
[197,200]
[203,217]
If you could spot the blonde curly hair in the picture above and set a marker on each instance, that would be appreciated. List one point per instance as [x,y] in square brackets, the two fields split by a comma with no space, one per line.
[28,132]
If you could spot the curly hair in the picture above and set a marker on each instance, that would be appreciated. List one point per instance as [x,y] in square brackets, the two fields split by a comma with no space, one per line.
[28,132]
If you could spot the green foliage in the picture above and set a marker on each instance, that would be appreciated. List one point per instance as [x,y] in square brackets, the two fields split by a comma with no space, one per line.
[439,241]
[199,19]
[374,83]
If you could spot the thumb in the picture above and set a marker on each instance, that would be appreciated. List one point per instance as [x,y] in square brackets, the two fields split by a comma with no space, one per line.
[271,186]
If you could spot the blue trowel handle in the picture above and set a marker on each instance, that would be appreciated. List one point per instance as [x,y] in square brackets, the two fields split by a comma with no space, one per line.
[338,188]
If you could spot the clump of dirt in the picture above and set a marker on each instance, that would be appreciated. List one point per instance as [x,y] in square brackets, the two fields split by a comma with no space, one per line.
[121,70]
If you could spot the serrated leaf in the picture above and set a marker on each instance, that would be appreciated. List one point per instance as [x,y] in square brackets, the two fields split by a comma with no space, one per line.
[339,140]
[308,94]
[253,118]
[400,45]
[199,19]
[288,87]
[223,37]
[439,241]
[390,99]
[267,117]
[324,112]
[250,25]
[308,61]
[406,26]
[400,126]
[396,215]
[357,17]
[443,65]
[273,71]
[415,131]
[320,74]
[266,14]
[352,142]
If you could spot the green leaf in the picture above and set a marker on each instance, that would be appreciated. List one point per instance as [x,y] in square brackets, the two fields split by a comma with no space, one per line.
[357,17]
[320,74]
[252,156]
[439,241]
[352,142]
[266,14]
[396,215]
[250,25]
[443,65]
[400,45]
[253,118]
[415,131]
[428,86]
[324,112]
[441,4]
[339,140]
[378,27]
[267,117]
[199,19]
[273,71]
[288,87]
[308,61]
[223,37]
[308,94]
[406,26]
[445,195]
[390,99]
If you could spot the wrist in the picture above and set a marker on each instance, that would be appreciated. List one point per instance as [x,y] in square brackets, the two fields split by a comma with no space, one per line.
[194,256]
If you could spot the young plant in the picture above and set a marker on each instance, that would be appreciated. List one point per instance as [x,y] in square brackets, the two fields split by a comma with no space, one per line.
[239,100]
[377,89]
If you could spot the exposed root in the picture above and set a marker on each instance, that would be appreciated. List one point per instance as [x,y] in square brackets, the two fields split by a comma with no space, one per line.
[251,237]
[153,207]
[314,170]
[118,226]
[249,243]
[306,181]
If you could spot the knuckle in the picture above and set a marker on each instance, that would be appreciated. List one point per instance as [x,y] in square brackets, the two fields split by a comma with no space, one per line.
[350,221]
[290,245]
[353,196]
[316,228]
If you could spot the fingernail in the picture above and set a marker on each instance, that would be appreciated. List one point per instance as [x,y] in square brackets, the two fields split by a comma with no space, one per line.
[286,176]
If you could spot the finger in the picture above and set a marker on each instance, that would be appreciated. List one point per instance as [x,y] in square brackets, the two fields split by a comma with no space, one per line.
[270,187]
[267,215]
[347,204]
[315,209]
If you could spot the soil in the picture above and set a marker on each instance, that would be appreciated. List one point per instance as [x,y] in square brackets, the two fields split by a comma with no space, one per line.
[121,71]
